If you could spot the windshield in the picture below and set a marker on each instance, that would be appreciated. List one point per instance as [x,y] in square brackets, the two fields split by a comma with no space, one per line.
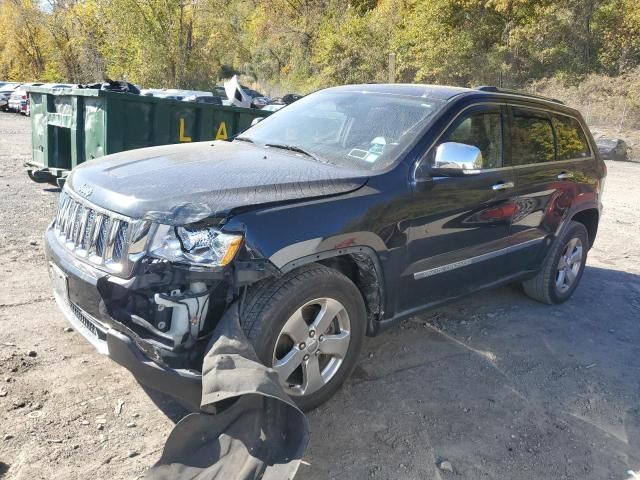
[354,129]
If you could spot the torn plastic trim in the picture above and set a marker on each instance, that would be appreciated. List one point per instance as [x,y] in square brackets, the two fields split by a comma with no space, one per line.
[370,284]
[248,427]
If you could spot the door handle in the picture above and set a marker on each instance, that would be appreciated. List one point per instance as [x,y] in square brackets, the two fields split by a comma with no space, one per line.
[565,175]
[498,187]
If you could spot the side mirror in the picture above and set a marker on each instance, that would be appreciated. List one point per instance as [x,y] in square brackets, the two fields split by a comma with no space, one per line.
[256,120]
[456,159]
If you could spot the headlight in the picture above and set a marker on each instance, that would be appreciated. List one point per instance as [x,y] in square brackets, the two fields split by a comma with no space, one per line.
[206,246]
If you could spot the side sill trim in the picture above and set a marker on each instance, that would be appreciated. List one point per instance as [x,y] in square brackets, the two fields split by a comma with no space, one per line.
[470,261]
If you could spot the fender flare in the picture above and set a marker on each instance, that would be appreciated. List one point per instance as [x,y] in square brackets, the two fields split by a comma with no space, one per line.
[570,215]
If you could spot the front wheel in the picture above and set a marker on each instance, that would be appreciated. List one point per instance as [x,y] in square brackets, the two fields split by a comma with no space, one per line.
[562,270]
[309,326]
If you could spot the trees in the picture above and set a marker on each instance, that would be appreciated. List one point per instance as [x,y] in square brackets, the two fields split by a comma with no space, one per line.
[307,44]
[23,45]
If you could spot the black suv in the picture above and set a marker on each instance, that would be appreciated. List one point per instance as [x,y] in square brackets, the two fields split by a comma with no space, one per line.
[332,219]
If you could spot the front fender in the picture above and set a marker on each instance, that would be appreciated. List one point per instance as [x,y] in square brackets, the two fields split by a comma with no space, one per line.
[319,248]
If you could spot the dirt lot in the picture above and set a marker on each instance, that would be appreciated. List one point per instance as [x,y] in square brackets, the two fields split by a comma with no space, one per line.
[498,385]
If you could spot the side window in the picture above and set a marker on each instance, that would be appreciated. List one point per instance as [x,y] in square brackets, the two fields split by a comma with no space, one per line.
[570,139]
[531,139]
[482,130]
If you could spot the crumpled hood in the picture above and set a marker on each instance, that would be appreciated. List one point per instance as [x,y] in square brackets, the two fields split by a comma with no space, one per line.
[189,182]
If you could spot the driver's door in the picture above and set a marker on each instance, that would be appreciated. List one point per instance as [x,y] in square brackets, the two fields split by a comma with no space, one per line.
[458,237]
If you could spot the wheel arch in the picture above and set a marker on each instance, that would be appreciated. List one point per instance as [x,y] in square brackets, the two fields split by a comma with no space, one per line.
[587,215]
[361,265]
[590,218]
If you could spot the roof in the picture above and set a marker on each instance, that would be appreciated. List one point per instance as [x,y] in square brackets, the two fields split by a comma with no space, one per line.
[439,92]
[442,92]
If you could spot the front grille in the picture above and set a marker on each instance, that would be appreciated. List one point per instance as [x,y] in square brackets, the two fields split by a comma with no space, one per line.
[88,322]
[97,236]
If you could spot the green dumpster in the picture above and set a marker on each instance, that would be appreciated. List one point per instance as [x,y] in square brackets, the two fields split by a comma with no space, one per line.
[71,126]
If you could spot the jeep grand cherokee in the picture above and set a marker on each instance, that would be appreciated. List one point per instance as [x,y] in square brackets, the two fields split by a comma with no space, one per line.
[332,219]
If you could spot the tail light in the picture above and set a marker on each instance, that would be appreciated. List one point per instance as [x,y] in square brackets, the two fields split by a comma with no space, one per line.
[24,97]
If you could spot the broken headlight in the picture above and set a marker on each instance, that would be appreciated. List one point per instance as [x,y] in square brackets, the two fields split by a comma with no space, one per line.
[205,246]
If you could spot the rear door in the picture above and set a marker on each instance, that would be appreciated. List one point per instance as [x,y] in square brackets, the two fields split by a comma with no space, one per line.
[459,226]
[553,164]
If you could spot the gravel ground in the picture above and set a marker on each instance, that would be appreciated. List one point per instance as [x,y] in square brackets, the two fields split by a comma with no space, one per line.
[499,386]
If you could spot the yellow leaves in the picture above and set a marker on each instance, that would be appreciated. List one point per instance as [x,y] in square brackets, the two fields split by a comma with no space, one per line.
[310,43]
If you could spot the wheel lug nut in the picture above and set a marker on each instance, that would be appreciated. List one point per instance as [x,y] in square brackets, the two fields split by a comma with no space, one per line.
[302,346]
[305,358]
[312,333]
[321,338]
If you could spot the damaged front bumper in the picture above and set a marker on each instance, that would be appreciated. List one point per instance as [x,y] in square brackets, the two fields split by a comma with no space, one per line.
[79,290]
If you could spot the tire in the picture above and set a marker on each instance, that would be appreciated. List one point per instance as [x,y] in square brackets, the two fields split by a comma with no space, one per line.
[279,312]
[550,285]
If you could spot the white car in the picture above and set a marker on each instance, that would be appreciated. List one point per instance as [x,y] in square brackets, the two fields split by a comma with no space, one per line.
[5,92]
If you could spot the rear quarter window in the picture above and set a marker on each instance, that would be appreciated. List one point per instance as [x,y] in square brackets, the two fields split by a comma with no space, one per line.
[532,139]
[570,138]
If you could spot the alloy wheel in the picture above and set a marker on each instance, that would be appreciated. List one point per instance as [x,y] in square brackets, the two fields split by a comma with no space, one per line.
[312,346]
[569,265]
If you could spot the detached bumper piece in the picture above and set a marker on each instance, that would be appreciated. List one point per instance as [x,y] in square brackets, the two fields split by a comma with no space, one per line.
[248,428]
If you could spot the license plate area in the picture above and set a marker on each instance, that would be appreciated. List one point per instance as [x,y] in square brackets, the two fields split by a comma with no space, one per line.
[59,282]
[80,320]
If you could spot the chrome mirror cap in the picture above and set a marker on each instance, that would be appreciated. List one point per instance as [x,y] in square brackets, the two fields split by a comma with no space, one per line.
[454,158]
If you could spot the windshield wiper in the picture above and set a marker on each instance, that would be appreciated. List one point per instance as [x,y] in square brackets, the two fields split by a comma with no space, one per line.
[244,139]
[293,148]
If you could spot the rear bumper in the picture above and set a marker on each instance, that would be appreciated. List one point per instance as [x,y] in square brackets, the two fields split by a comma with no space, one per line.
[82,309]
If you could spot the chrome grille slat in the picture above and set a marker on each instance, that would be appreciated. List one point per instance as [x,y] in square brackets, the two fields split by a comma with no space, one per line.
[80,226]
[102,238]
[119,245]
[96,235]
[64,218]
[71,215]
[87,230]
[111,238]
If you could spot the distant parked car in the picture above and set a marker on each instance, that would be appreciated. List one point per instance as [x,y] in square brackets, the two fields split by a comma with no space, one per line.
[19,99]
[273,107]
[58,85]
[173,93]
[219,92]
[203,99]
[5,92]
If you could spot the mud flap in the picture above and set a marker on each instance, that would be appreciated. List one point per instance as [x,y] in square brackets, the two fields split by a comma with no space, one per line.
[248,428]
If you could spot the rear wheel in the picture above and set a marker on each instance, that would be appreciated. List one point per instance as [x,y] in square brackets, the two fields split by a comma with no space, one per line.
[562,270]
[309,326]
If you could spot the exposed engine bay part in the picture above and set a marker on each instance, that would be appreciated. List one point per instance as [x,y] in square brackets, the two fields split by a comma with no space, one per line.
[248,427]
[189,310]
[172,310]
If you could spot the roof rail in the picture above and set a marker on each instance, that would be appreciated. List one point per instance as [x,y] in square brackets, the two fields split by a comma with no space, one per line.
[491,88]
